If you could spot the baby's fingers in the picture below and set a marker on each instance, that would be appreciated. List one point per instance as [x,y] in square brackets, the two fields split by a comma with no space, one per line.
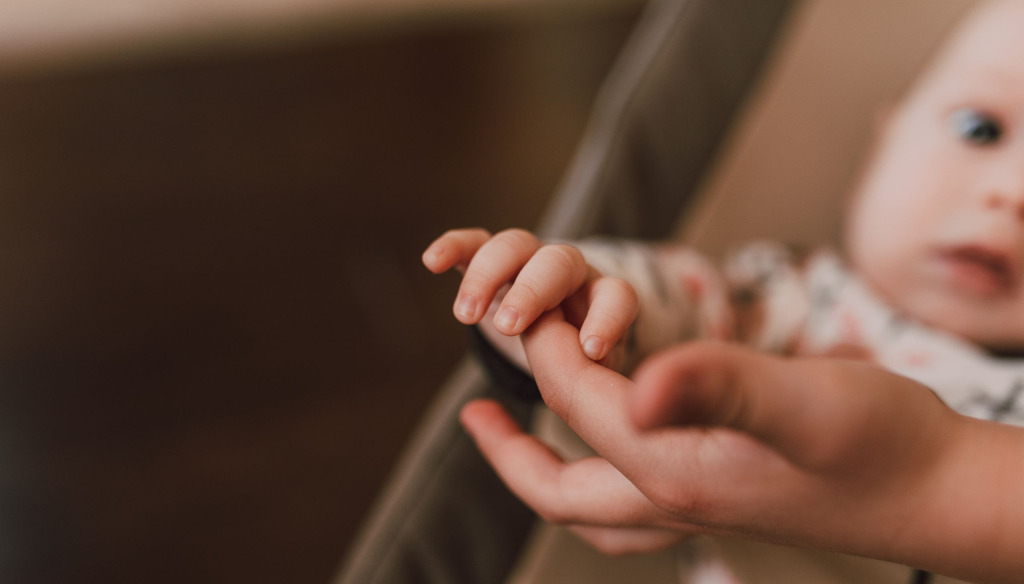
[454,249]
[553,274]
[494,265]
[613,308]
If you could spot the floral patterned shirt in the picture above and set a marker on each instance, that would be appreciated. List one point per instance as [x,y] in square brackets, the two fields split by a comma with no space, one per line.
[772,298]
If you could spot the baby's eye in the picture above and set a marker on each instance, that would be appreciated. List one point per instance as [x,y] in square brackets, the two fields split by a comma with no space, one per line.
[976,127]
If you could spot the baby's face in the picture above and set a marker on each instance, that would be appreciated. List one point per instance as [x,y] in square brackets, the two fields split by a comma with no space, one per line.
[937,225]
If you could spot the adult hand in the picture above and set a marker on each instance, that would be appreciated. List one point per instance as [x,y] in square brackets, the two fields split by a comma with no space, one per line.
[712,438]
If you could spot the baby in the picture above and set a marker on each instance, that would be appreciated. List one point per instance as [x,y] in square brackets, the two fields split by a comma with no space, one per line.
[931,284]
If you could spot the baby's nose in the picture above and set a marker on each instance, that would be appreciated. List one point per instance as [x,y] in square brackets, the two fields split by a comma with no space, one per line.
[1012,202]
[1007,194]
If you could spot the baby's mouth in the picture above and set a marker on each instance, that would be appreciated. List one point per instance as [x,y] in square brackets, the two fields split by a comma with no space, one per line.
[980,270]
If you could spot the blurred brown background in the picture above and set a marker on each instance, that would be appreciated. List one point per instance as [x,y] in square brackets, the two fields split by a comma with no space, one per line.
[215,334]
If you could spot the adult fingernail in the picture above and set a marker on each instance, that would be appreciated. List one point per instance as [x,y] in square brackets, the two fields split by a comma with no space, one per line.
[506,318]
[466,307]
[593,347]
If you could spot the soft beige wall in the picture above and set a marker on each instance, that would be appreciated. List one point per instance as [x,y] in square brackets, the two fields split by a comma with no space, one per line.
[791,160]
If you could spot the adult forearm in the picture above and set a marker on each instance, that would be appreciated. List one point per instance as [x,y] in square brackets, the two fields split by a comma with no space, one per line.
[971,525]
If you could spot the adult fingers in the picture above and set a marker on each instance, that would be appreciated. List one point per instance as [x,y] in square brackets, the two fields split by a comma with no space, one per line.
[454,249]
[612,309]
[813,411]
[589,397]
[691,475]
[495,264]
[697,384]
[716,384]
[554,273]
[584,492]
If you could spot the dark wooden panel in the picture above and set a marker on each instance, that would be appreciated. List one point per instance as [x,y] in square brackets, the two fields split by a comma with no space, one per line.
[214,332]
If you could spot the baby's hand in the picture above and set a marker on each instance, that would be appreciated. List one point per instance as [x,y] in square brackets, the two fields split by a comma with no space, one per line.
[540,277]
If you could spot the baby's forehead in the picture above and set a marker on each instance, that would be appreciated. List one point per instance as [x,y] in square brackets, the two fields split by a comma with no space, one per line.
[987,46]
[991,33]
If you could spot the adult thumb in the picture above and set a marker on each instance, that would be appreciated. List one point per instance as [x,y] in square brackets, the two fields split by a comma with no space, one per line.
[785,403]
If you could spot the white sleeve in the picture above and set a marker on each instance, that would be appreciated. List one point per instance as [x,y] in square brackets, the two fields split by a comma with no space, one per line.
[769,295]
[681,295]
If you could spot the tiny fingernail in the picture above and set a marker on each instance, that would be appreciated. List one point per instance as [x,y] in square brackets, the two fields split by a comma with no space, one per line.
[466,307]
[506,318]
[593,347]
